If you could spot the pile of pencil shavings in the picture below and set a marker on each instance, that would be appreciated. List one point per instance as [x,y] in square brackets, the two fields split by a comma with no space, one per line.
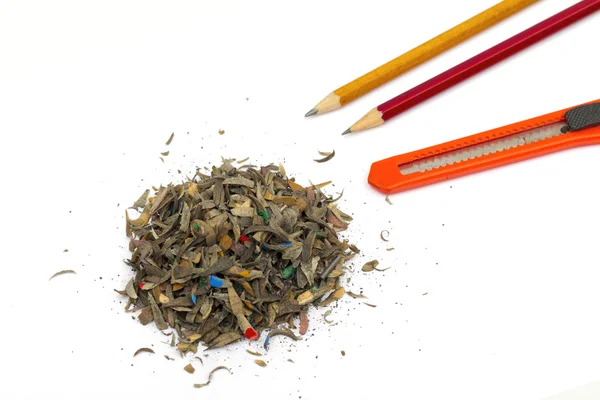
[226,256]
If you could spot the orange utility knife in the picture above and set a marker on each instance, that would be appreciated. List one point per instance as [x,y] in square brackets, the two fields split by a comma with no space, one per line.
[560,130]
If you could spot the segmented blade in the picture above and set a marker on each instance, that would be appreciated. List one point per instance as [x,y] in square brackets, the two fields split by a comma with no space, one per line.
[483,149]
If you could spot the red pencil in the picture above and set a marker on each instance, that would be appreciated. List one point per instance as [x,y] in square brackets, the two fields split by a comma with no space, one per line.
[472,66]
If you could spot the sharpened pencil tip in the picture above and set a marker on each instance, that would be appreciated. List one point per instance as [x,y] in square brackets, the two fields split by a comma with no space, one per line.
[347,131]
[311,112]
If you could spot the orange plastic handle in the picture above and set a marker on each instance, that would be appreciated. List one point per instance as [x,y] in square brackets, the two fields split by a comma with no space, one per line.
[385,174]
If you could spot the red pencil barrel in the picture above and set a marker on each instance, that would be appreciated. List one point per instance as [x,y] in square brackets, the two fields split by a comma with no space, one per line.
[493,55]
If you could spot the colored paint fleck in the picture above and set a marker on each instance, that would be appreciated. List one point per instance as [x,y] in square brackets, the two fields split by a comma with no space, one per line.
[288,271]
[215,281]
[251,334]
[263,214]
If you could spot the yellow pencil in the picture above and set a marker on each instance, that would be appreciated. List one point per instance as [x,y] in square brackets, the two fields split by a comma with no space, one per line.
[426,51]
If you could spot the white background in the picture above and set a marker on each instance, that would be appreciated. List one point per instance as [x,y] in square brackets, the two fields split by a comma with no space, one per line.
[90,92]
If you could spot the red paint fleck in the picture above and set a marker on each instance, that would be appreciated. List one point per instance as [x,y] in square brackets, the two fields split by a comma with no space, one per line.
[244,239]
[142,285]
[251,334]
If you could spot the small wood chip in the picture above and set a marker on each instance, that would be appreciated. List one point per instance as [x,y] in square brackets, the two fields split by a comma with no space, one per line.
[169,358]
[64,271]
[303,322]
[343,353]
[170,139]
[326,158]
[166,153]
[282,331]
[357,296]
[370,266]
[425,294]
[146,316]
[387,199]
[254,353]
[390,249]
[130,290]
[384,237]
[189,369]
[260,363]
[65,250]
[370,305]
[199,385]
[221,131]
[143,350]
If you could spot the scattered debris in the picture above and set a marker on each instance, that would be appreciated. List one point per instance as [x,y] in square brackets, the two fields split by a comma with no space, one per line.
[357,296]
[260,363]
[343,353]
[141,202]
[370,266]
[254,353]
[143,350]
[384,237]
[387,199]
[303,322]
[170,139]
[199,385]
[282,331]
[64,271]
[221,131]
[189,369]
[328,157]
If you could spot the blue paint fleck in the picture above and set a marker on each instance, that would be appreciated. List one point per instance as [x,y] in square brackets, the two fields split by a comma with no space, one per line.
[215,281]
